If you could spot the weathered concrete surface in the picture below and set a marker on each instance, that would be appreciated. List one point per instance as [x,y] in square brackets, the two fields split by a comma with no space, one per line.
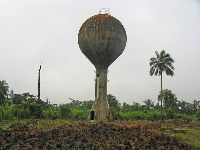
[102,39]
[100,105]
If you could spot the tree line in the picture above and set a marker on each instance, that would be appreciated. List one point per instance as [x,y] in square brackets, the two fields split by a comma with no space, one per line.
[28,106]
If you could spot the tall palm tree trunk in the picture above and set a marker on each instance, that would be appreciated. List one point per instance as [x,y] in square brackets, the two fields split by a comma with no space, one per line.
[161,97]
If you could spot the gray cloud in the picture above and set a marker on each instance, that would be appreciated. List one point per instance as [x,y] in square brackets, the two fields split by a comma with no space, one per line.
[47,30]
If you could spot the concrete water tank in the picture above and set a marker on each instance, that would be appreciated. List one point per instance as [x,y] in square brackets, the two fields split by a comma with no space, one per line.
[102,39]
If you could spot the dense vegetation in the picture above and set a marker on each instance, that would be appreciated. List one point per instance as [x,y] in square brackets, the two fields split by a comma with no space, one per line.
[27,106]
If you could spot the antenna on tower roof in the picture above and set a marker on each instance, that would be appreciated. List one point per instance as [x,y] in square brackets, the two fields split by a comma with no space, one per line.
[104,11]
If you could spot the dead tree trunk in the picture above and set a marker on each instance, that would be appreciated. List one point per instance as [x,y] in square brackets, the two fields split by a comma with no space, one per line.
[39,83]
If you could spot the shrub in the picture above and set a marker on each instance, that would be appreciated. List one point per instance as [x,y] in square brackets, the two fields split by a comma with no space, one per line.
[186,117]
[65,112]
[35,110]
[80,114]
[133,115]
[170,113]
[154,115]
[6,112]
[21,111]
[51,113]
[141,115]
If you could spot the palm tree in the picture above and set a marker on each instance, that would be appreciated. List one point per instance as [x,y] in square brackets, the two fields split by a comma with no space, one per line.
[3,91]
[160,64]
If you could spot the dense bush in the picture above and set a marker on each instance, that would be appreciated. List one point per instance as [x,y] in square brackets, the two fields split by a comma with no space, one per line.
[141,115]
[21,111]
[80,114]
[51,113]
[6,112]
[65,112]
[186,117]
[170,113]
[36,110]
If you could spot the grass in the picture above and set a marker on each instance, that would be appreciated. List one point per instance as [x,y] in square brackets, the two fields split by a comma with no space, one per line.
[189,135]
[5,125]
[31,123]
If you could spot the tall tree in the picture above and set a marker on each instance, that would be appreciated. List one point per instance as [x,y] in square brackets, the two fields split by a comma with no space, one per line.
[169,99]
[4,88]
[149,104]
[162,63]
[114,105]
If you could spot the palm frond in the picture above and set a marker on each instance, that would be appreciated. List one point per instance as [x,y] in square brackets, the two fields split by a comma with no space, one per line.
[157,54]
[152,70]
[169,71]
[157,71]
[163,62]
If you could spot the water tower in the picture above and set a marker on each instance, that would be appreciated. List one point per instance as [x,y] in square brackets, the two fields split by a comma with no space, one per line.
[102,39]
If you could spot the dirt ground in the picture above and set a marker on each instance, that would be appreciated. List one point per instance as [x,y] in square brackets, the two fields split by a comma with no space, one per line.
[118,135]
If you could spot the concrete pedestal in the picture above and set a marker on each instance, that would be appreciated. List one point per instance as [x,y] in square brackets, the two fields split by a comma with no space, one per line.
[100,106]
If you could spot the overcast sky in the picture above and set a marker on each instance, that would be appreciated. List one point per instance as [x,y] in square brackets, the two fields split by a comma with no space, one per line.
[35,31]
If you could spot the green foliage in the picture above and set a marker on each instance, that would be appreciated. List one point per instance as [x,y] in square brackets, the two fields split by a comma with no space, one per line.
[189,135]
[114,105]
[81,104]
[154,115]
[80,114]
[22,106]
[21,111]
[4,89]
[163,62]
[112,101]
[188,108]
[149,104]
[6,112]
[87,104]
[169,99]
[36,110]
[198,115]
[170,113]
[186,117]
[26,106]
[51,113]
[24,98]
[65,112]
[141,115]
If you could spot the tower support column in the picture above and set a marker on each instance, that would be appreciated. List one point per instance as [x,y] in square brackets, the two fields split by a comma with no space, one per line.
[100,105]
